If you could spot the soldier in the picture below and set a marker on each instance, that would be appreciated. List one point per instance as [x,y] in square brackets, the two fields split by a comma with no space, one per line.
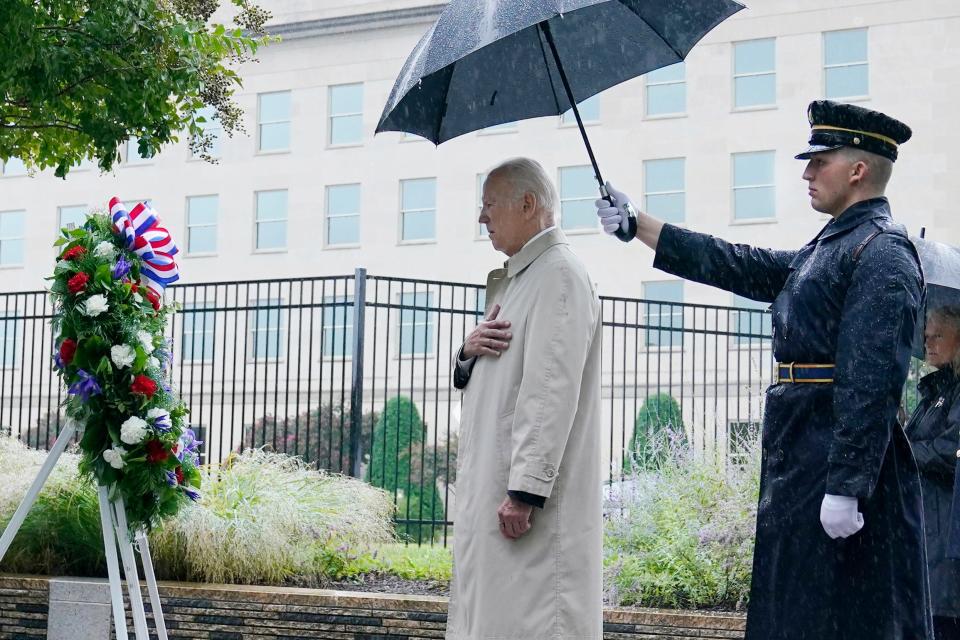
[839,549]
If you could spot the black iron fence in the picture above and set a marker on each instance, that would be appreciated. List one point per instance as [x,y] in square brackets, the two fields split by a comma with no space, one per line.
[352,373]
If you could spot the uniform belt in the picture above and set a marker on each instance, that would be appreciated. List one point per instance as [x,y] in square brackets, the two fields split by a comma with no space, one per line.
[796,372]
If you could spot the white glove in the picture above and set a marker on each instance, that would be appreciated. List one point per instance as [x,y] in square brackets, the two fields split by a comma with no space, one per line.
[839,516]
[613,218]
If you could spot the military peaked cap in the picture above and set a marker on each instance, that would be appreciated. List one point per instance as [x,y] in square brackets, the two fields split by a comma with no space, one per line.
[834,125]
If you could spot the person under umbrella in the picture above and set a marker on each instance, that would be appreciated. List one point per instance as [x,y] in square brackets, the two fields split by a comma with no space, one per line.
[839,550]
[934,430]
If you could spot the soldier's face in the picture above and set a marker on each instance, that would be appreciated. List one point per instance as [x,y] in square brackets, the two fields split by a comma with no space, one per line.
[507,215]
[828,175]
[941,341]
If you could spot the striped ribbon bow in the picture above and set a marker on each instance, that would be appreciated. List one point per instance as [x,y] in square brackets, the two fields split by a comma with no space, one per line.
[141,230]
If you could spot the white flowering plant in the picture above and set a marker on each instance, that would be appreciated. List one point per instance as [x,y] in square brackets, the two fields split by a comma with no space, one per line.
[114,360]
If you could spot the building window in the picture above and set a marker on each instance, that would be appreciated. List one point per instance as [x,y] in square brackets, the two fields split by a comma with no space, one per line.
[667,90]
[11,330]
[741,440]
[418,209]
[132,155]
[13,167]
[198,332]
[752,324]
[753,186]
[272,219]
[343,214]
[589,111]
[211,125]
[481,228]
[663,313]
[74,216]
[337,326]
[273,121]
[11,237]
[202,224]
[267,329]
[754,73]
[578,192]
[346,114]
[664,189]
[845,67]
[416,324]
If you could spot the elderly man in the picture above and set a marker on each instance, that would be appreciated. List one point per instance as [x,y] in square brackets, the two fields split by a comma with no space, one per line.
[527,533]
[839,548]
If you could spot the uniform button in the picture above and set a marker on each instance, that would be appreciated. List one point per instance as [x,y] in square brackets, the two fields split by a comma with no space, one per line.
[550,472]
[958,453]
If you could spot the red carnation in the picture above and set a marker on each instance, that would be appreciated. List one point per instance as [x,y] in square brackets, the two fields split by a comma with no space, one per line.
[67,350]
[156,452]
[78,283]
[179,473]
[144,386]
[153,298]
[74,253]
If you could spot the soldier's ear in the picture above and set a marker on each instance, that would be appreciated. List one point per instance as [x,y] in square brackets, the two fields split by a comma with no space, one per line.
[859,171]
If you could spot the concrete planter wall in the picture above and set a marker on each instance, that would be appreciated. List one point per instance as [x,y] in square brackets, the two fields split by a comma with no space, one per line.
[226,612]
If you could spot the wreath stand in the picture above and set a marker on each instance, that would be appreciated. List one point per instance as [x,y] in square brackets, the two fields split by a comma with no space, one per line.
[113,522]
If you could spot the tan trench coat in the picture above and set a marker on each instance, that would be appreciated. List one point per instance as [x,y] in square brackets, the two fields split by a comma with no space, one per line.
[531,422]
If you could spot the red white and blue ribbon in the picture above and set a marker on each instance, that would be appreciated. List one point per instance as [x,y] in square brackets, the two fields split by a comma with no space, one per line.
[140,228]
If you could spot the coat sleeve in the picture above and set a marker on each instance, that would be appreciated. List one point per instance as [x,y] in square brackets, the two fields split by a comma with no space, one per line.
[758,274]
[462,370]
[560,329]
[938,454]
[877,322]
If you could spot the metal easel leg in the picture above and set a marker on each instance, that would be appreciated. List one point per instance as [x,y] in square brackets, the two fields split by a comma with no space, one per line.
[113,567]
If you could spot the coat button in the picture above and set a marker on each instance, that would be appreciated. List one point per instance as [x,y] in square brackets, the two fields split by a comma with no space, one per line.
[958,453]
[549,472]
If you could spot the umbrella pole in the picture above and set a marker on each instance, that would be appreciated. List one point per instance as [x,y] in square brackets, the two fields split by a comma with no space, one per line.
[624,234]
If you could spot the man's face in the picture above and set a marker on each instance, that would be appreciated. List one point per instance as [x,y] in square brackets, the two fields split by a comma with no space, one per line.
[828,175]
[504,214]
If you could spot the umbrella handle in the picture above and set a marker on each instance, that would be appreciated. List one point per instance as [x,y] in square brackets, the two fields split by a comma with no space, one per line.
[631,231]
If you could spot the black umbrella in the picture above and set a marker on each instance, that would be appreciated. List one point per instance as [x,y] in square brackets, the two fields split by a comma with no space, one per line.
[941,272]
[488,62]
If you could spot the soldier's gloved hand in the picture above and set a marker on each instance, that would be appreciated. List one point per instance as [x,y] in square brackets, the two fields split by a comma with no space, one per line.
[839,516]
[613,218]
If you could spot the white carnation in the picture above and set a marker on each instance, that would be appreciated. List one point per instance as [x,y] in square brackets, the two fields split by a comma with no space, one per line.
[95,305]
[157,412]
[145,339]
[114,457]
[105,249]
[122,355]
[133,430]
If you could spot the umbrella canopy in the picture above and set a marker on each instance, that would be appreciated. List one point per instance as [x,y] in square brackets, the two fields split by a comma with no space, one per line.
[488,62]
[941,272]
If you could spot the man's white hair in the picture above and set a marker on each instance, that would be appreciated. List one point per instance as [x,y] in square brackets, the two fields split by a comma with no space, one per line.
[527,176]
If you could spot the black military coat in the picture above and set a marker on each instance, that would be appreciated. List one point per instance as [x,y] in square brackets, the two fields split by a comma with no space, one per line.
[933,430]
[850,297]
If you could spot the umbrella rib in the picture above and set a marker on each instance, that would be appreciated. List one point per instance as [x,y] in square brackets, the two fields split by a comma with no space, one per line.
[664,40]
[443,112]
[546,63]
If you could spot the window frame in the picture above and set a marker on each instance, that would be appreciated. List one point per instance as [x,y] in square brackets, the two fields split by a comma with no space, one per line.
[755,74]
[60,209]
[10,316]
[327,216]
[734,187]
[430,322]
[403,212]
[257,221]
[261,122]
[674,308]
[331,116]
[266,304]
[21,239]
[646,95]
[573,120]
[3,169]
[825,67]
[646,193]
[330,303]
[216,223]
[561,200]
[199,312]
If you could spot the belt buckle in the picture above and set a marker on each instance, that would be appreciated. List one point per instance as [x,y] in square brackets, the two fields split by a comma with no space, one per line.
[792,378]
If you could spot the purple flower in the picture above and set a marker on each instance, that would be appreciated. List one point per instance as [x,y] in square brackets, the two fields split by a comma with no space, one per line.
[189,444]
[57,361]
[193,495]
[171,478]
[85,387]
[121,269]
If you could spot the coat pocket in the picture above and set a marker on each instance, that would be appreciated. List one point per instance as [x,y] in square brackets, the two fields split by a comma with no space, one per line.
[504,429]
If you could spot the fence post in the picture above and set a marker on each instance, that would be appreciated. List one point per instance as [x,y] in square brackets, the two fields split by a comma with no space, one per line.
[356,391]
